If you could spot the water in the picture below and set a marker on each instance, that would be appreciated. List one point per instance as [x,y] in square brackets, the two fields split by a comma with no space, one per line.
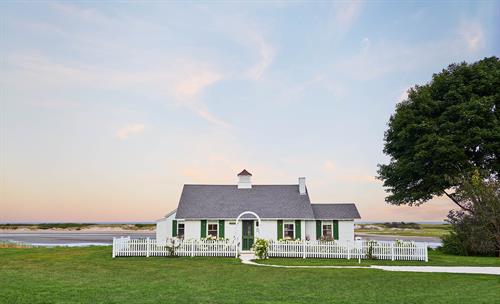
[76,239]
[70,239]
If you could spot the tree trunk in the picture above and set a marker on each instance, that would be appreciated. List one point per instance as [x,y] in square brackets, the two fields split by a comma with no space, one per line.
[450,196]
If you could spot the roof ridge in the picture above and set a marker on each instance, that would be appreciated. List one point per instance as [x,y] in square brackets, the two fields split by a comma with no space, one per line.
[235,185]
[339,203]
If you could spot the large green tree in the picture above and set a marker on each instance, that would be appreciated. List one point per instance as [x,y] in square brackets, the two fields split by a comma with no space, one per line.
[444,131]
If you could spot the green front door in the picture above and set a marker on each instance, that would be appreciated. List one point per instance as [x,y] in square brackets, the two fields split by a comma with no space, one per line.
[247,235]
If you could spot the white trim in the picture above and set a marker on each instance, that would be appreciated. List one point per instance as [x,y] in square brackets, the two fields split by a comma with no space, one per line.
[262,219]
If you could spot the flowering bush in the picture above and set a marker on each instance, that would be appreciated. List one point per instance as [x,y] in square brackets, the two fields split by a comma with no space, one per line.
[260,248]
[327,238]
[404,244]
[172,245]
[288,240]
[369,253]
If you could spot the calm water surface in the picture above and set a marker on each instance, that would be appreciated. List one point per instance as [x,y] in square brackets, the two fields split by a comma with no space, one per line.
[106,238]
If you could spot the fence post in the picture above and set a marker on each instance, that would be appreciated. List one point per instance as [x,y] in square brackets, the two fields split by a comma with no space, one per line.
[114,247]
[426,253]
[392,251]
[304,249]
[348,250]
[147,247]
[192,248]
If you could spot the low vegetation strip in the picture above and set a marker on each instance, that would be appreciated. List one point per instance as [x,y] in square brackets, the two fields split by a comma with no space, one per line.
[74,226]
[90,275]
[404,229]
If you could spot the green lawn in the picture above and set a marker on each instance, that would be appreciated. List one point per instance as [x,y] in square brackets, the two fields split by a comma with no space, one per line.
[429,230]
[90,275]
[436,258]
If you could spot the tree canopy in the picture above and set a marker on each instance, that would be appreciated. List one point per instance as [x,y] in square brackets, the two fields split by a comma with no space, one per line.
[445,130]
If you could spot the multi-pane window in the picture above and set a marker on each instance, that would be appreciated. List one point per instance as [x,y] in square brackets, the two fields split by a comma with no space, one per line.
[180,230]
[328,231]
[288,230]
[212,229]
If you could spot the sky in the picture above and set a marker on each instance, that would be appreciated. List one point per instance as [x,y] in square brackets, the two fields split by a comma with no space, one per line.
[108,108]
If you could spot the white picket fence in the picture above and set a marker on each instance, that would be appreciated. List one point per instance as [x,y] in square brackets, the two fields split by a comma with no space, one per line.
[125,246]
[382,250]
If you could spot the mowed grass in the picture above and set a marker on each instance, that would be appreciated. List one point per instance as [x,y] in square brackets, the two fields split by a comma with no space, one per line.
[428,230]
[436,258]
[90,275]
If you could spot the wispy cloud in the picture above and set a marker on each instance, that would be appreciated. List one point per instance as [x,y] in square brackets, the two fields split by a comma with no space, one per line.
[183,79]
[343,15]
[346,13]
[128,130]
[191,81]
[472,34]
[266,55]
[192,84]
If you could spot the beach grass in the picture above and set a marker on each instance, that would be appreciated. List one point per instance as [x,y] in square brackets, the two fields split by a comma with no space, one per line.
[75,226]
[427,230]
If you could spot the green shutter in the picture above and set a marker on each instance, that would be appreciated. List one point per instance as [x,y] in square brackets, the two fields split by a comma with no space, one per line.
[280,229]
[336,230]
[318,230]
[298,232]
[221,228]
[203,233]
[174,228]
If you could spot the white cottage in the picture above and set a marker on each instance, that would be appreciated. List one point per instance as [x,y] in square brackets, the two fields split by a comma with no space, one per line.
[244,212]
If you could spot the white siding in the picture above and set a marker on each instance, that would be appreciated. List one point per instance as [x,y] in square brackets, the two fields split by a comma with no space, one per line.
[302,230]
[192,229]
[346,230]
[310,230]
[268,230]
[231,230]
[164,228]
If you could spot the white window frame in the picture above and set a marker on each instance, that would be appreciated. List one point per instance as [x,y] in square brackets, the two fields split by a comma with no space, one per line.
[216,223]
[289,223]
[330,223]
[184,229]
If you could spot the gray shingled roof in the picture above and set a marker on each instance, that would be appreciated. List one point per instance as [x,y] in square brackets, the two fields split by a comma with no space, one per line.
[227,202]
[335,211]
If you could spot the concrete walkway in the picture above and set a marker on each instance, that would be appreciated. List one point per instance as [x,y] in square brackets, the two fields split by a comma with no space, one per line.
[248,260]
[447,269]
